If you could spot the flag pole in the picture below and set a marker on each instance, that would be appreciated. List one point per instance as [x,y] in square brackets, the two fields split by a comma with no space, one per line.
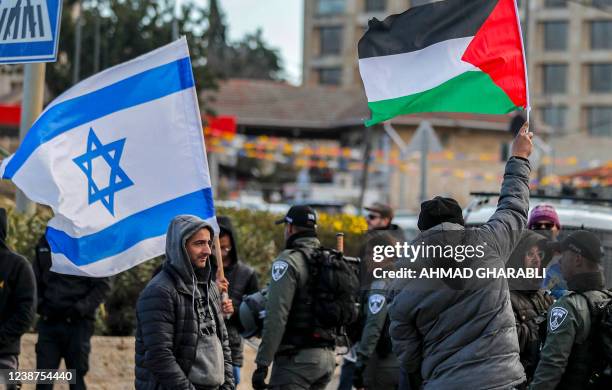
[220,272]
[520,30]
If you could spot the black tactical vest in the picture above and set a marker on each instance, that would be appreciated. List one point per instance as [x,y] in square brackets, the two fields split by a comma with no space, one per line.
[301,330]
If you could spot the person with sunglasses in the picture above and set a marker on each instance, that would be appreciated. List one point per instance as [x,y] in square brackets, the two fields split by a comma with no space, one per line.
[375,365]
[544,220]
[181,339]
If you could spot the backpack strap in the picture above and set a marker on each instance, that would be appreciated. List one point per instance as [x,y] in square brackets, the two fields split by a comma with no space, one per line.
[595,309]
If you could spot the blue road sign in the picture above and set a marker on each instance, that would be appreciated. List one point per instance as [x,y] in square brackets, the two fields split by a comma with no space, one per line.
[29,30]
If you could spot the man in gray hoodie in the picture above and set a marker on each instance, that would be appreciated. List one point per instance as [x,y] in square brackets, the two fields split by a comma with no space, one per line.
[459,334]
[181,339]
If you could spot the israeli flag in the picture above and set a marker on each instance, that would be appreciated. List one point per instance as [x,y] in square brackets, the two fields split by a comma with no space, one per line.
[117,157]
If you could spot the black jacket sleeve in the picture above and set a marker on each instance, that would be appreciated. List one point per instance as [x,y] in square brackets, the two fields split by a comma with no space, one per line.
[97,294]
[224,338]
[41,266]
[155,312]
[24,296]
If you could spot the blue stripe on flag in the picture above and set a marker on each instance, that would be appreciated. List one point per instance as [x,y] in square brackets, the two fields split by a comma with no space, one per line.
[144,87]
[130,231]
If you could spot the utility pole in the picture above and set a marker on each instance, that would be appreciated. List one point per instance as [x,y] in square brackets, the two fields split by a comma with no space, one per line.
[366,167]
[77,45]
[31,106]
[424,170]
[175,26]
[96,61]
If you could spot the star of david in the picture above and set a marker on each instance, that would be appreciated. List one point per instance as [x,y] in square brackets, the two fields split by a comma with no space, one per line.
[118,179]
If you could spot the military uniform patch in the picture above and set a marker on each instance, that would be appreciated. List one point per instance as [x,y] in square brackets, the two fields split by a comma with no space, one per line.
[376,303]
[278,269]
[557,316]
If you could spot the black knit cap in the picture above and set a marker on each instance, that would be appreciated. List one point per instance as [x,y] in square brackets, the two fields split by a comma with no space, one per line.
[439,210]
[585,244]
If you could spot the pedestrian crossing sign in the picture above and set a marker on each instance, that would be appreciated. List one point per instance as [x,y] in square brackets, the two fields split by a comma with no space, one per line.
[29,30]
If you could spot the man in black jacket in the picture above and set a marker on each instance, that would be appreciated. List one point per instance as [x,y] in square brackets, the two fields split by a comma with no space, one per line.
[17,300]
[242,281]
[181,339]
[67,306]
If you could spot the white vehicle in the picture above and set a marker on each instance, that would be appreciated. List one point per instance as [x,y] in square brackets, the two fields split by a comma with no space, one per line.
[408,223]
[574,213]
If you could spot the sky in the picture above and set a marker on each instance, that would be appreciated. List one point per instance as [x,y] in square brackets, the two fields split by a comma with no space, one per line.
[281,22]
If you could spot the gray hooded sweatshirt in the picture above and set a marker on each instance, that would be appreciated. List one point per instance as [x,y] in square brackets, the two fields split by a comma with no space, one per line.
[181,339]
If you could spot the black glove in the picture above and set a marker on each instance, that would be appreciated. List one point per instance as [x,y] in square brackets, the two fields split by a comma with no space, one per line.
[259,378]
[358,376]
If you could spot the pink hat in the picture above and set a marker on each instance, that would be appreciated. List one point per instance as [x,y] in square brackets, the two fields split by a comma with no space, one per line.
[543,213]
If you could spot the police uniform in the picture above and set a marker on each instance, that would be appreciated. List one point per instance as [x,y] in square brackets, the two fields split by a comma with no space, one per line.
[301,359]
[374,349]
[567,358]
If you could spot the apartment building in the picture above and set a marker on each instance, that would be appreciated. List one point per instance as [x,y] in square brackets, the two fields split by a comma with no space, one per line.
[569,52]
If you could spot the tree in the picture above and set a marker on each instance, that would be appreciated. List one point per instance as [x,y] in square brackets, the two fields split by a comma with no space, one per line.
[216,39]
[251,58]
[128,28]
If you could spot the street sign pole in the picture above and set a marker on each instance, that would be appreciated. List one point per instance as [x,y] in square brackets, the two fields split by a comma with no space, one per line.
[424,154]
[31,107]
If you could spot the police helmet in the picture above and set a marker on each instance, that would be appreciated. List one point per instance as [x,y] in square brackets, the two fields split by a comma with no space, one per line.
[252,313]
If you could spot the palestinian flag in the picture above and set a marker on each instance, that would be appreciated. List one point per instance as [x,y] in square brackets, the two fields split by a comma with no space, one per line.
[446,56]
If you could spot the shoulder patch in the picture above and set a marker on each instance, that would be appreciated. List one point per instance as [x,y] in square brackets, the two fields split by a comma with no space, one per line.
[279,268]
[376,303]
[557,316]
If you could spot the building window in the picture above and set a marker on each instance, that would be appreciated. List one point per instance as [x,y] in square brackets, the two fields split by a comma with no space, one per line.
[555,3]
[375,5]
[600,121]
[331,40]
[554,116]
[555,36]
[330,7]
[600,76]
[554,77]
[330,76]
[601,34]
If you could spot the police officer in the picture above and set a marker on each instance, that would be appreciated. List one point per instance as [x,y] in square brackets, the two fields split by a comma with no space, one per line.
[303,359]
[567,358]
[376,366]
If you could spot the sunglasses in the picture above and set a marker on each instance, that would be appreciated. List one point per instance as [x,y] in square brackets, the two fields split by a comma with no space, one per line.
[543,226]
[372,217]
